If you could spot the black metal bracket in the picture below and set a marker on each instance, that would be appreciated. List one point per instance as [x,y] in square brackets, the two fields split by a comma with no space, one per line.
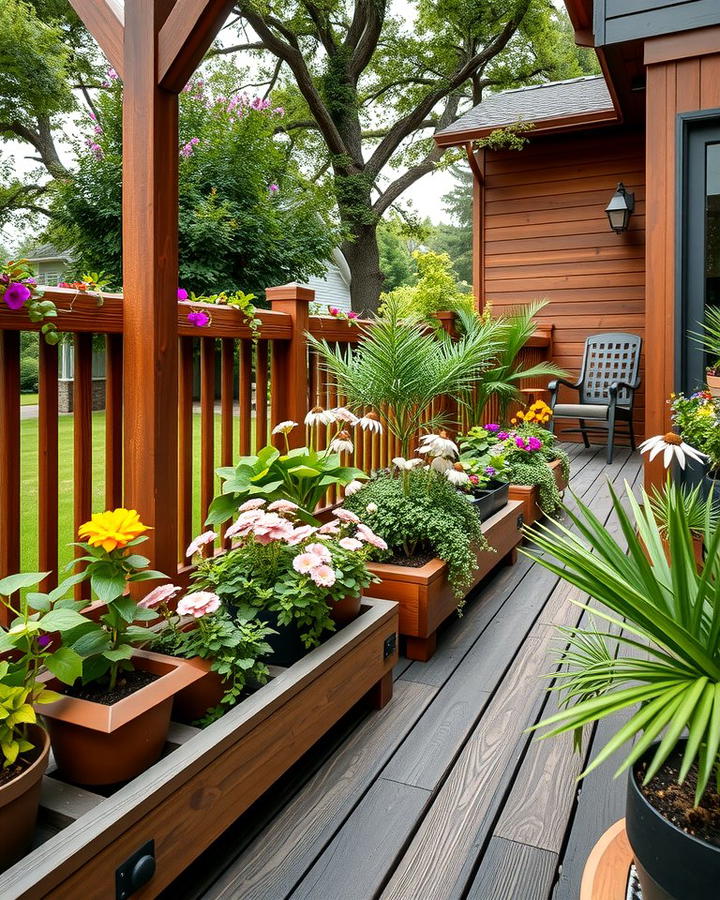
[520,521]
[135,872]
[389,645]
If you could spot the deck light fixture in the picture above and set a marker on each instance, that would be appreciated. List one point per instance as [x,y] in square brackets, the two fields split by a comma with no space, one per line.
[620,208]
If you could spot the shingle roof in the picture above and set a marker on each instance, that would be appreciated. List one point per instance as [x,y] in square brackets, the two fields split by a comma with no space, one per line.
[46,251]
[552,100]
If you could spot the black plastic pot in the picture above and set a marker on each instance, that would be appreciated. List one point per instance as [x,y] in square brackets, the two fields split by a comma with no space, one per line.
[287,646]
[671,864]
[490,500]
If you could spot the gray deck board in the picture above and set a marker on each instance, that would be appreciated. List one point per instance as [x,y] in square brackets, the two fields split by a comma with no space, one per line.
[444,794]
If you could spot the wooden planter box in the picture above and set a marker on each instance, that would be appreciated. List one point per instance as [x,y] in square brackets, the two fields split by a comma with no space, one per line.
[527,494]
[424,594]
[208,778]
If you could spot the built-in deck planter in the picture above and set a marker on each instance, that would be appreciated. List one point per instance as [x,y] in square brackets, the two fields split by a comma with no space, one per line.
[487,502]
[424,594]
[174,810]
[527,494]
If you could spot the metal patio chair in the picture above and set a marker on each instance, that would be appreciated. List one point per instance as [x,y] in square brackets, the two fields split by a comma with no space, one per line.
[606,387]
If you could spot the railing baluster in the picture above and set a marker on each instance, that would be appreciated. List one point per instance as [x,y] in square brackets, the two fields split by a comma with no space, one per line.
[207,429]
[48,464]
[227,383]
[9,455]
[261,385]
[113,420]
[185,446]
[245,381]
[82,440]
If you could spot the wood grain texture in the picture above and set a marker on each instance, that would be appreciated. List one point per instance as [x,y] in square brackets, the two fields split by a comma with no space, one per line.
[113,420]
[82,441]
[290,359]
[48,464]
[513,871]
[104,20]
[9,457]
[606,872]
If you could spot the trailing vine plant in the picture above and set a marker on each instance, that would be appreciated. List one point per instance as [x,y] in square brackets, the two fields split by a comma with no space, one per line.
[18,290]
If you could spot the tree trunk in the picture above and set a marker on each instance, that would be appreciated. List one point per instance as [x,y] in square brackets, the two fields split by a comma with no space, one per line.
[363,257]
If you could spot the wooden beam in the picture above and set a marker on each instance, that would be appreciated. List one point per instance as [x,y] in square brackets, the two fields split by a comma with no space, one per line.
[185,37]
[104,20]
[150,278]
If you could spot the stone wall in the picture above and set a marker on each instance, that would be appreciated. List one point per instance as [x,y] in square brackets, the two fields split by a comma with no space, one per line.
[65,394]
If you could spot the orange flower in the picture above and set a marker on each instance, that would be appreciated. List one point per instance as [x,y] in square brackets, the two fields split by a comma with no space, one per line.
[112,529]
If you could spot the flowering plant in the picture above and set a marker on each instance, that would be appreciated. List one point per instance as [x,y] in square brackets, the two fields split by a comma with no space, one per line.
[293,569]
[235,646]
[33,643]
[112,564]
[697,418]
[236,299]
[301,475]
[18,290]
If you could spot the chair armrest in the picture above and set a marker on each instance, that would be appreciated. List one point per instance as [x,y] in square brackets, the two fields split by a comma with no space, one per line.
[554,385]
[615,386]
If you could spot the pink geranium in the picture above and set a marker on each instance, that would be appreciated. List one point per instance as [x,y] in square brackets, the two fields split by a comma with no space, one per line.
[282,506]
[207,537]
[368,535]
[348,543]
[345,515]
[305,563]
[255,503]
[332,527]
[271,527]
[201,603]
[320,550]
[300,534]
[161,594]
[244,524]
[323,576]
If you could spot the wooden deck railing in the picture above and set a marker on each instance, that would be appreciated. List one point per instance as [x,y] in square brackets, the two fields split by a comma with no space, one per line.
[246,383]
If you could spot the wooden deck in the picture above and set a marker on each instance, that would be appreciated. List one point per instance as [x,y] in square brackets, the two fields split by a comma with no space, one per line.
[442,794]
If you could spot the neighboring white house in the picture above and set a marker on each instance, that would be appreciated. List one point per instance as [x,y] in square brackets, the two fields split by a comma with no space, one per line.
[332,289]
[49,264]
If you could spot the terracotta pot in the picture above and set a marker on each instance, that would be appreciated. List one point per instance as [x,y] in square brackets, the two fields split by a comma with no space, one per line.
[95,744]
[713,383]
[193,701]
[346,610]
[19,801]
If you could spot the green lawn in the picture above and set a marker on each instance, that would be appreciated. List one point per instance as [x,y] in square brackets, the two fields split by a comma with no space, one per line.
[29,477]
[28,399]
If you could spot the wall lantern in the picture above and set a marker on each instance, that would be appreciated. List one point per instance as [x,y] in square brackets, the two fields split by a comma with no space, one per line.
[620,208]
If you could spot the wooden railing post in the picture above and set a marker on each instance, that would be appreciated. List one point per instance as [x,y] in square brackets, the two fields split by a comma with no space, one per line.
[290,374]
[448,406]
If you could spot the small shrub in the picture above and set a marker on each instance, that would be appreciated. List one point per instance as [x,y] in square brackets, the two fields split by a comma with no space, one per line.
[28,375]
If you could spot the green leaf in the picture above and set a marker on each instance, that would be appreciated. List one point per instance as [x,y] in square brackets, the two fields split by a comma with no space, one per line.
[62,620]
[108,588]
[95,641]
[125,607]
[66,664]
[13,583]
[124,651]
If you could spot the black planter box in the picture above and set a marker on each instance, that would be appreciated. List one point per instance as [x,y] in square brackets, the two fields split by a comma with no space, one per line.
[489,501]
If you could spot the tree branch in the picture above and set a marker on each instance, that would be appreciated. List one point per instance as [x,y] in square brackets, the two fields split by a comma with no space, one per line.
[42,141]
[367,41]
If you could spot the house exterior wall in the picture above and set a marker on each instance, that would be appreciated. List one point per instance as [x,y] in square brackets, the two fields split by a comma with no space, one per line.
[677,82]
[626,20]
[546,236]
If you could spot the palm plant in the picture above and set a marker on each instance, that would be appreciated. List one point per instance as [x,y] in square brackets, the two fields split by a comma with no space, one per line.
[399,368]
[502,379]
[709,339]
[670,612]
[701,511]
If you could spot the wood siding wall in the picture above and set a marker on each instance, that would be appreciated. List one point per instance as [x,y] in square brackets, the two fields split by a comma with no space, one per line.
[627,20]
[546,235]
[674,86]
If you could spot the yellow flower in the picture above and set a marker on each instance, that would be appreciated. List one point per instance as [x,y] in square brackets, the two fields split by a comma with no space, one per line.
[513,421]
[112,529]
[521,414]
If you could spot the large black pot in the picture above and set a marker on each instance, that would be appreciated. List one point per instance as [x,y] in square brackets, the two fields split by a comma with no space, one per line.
[287,646]
[671,864]
[490,500]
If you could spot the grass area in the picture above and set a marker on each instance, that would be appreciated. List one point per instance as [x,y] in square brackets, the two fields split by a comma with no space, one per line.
[28,399]
[29,480]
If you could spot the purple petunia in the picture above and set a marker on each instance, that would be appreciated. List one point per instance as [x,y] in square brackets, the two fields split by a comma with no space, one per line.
[520,443]
[182,294]
[492,427]
[489,470]
[273,188]
[534,443]
[198,318]
[502,435]
[16,295]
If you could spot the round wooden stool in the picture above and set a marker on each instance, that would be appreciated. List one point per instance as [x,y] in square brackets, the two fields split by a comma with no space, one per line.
[608,867]
[534,393]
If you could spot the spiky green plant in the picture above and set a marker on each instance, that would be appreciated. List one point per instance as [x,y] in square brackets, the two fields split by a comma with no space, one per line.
[709,338]
[398,367]
[700,511]
[670,612]
[502,378]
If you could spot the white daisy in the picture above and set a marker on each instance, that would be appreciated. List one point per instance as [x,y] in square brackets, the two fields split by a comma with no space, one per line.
[674,447]
[371,422]
[457,475]
[344,415]
[284,427]
[440,464]
[320,416]
[353,488]
[438,445]
[341,443]
[406,464]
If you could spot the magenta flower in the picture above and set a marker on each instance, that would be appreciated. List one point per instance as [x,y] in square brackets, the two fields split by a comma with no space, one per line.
[182,294]
[502,435]
[333,310]
[44,640]
[519,442]
[489,470]
[534,443]
[112,75]
[16,295]
[353,315]
[198,318]
[273,188]
[492,427]
[279,110]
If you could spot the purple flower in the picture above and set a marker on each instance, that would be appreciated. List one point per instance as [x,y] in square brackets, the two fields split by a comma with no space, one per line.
[198,318]
[534,443]
[16,295]
[112,75]
[520,443]
[489,470]
[279,110]
[98,129]
[492,427]
[273,188]
[44,640]
[502,435]
[182,294]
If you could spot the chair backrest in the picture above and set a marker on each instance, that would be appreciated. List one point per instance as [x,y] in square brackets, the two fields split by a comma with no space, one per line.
[613,356]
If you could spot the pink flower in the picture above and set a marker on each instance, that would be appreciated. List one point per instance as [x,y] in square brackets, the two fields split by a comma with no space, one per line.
[323,576]
[332,527]
[304,563]
[182,294]
[198,604]
[321,551]
[207,537]
[366,534]
[273,188]
[279,110]
[345,515]
[199,318]
[282,506]
[271,527]
[492,427]
[160,594]
[348,543]
[16,295]
[300,534]
[244,524]
[534,443]
[502,435]
[334,311]
[353,315]
[520,443]
[255,503]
